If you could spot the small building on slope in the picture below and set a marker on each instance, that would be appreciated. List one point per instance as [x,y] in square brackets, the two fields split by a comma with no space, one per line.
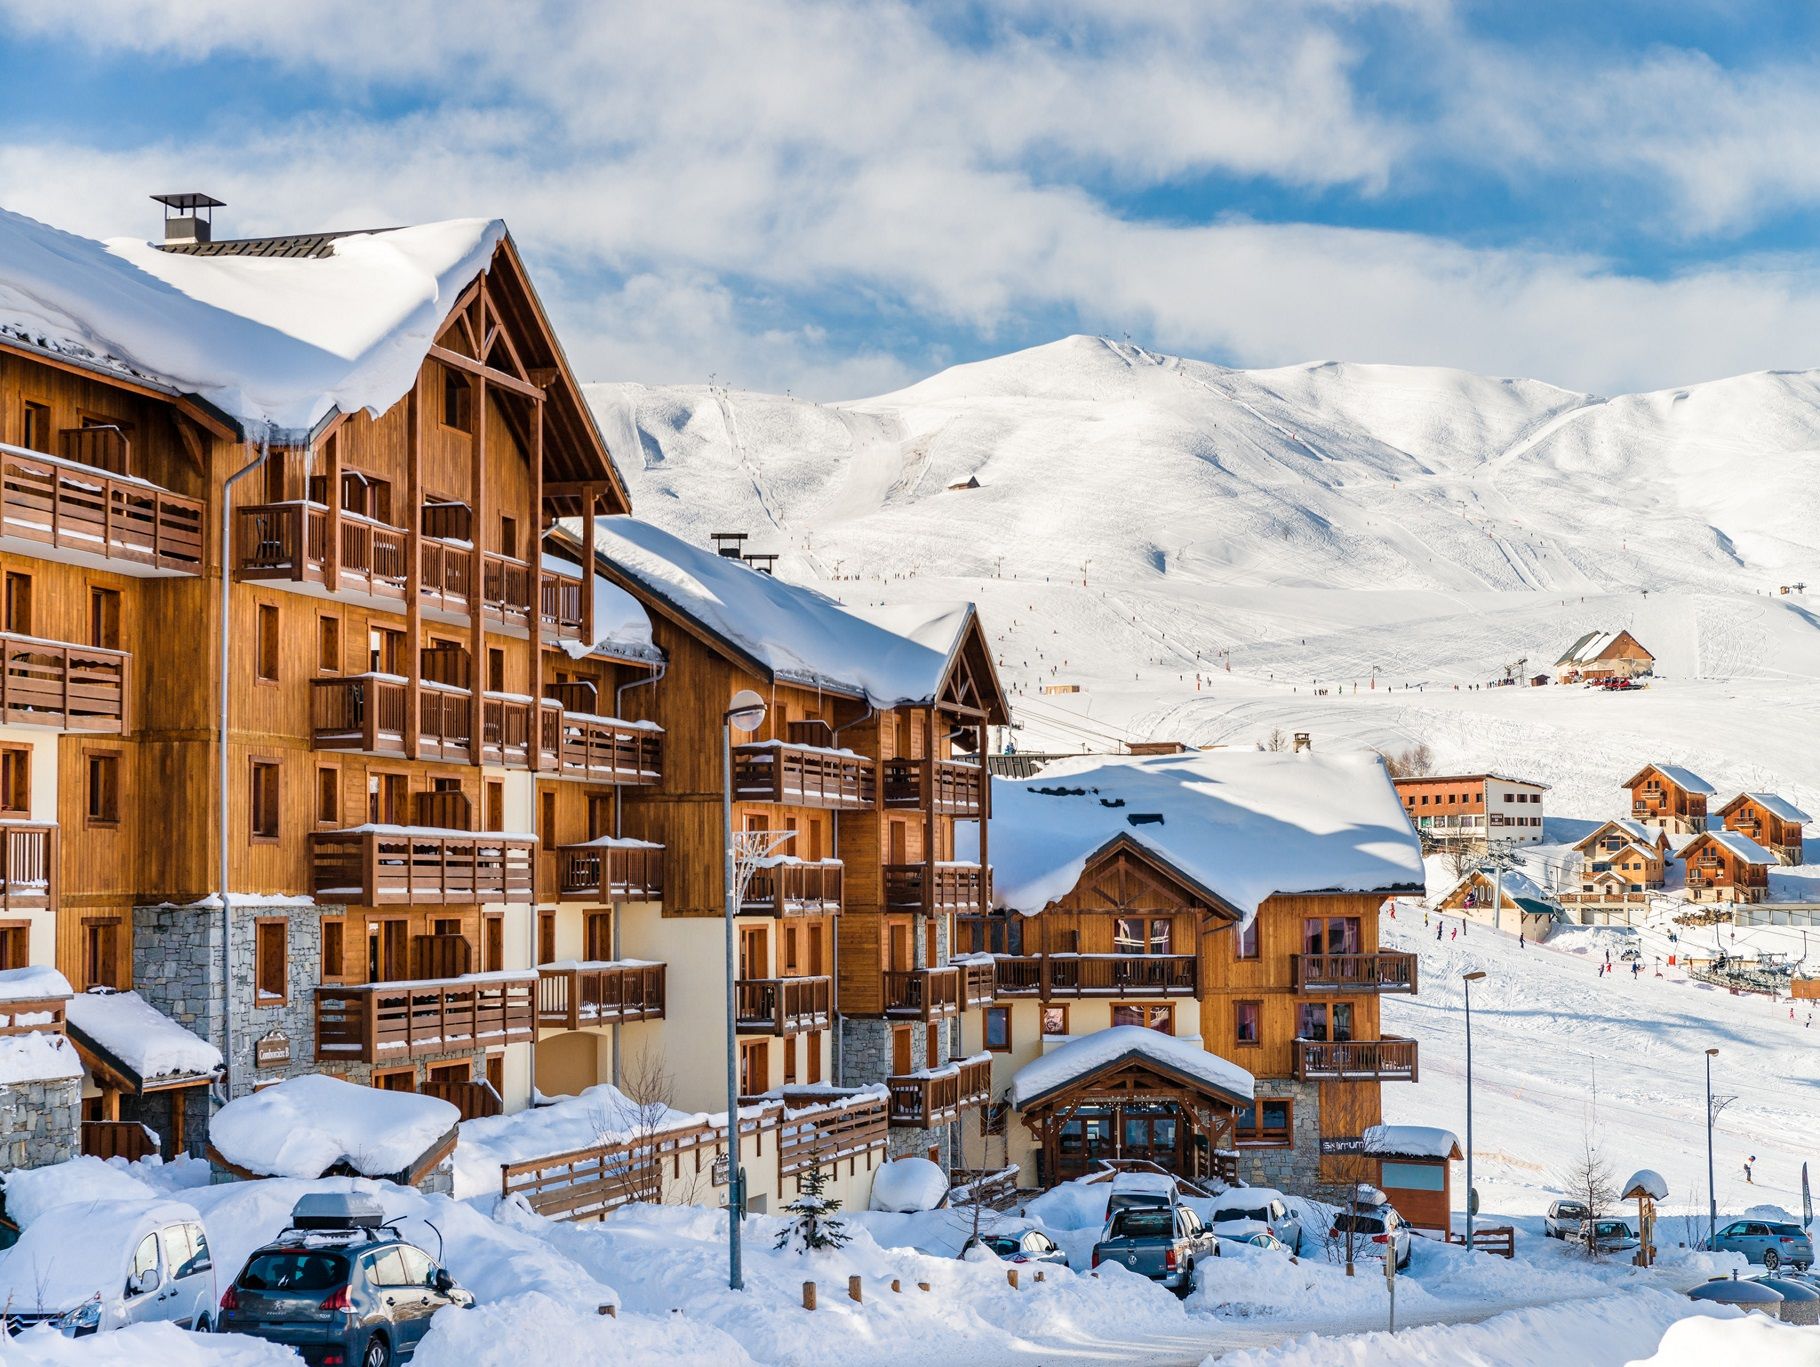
[1723,866]
[1473,809]
[1670,797]
[1773,822]
[1604,655]
[1515,903]
[1621,864]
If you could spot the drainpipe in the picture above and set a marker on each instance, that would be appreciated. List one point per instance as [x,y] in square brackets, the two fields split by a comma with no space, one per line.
[839,1061]
[222,821]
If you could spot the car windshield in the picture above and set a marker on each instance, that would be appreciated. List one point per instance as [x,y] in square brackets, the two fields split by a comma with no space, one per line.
[1236,1213]
[1613,1227]
[294,1269]
[1140,1223]
[1358,1224]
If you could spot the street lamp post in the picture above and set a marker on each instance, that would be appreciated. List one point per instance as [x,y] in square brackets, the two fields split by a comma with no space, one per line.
[1466,982]
[747,714]
[1712,1203]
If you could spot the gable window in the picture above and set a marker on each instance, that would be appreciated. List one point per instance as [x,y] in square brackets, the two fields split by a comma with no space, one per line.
[1247,947]
[103,796]
[457,400]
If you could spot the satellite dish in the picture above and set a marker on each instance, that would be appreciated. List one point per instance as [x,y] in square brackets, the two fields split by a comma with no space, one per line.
[746,712]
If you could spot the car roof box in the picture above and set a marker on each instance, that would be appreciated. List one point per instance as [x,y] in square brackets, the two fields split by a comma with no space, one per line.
[337,1210]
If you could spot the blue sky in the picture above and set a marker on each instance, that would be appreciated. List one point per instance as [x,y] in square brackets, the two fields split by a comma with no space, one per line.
[839,198]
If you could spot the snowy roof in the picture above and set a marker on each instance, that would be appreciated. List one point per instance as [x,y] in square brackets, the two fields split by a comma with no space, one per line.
[134,1035]
[1776,806]
[278,341]
[1685,779]
[1634,830]
[1079,1058]
[795,633]
[305,1126]
[35,982]
[621,627]
[1241,824]
[1742,846]
[1517,887]
[1411,1141]
[1593,645]
[1647,1181]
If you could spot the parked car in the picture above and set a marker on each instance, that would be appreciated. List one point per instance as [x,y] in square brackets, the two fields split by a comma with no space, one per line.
[1374,1232]
[1018,1246]
[339,1286]
[1266,1207]
[1130,1189]
[1608,1236]
[1256,1238]
[1162,1243]
[95,1265]
[1564,1219]
[1769,1242]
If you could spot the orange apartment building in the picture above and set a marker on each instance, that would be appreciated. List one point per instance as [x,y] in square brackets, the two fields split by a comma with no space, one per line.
[1473,809]
[1773,822]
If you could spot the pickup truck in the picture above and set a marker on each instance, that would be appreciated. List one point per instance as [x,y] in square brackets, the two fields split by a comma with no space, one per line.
[1162,1243]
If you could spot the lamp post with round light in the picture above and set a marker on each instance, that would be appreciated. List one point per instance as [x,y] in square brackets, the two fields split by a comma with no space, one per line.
[1466,982]
[745,714]
[1712,1203]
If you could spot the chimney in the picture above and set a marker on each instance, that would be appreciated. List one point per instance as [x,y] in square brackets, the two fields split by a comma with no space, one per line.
[730,545]
[188,217]
[1302,742]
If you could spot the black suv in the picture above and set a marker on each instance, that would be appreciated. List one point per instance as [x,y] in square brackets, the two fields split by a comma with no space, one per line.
[339,1287]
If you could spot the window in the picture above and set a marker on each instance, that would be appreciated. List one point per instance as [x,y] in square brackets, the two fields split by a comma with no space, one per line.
[1315,1020]
[328,795]
[334,949]
[328,644]
[1331,935]
[496,806]
[457,401]
[790,1062]
[901,1050]
[496,669]
[270,961]
[103,788]
[145,1260]
[35,428]
[546,805]
[1159,1018]
[1055,1020]
[1267,1123]
[396,1080]
[1248,1022]
[262,794]
[418,1269]
[15,945]
[15,779]
[600,817]
[492,942]
[998,1028]
[104,618]
[1412,1176]
[267,666]
[754,1067]
[1141,935]
[508,536]
[18,605]
[99,940]
[812,1050]
[546,937]
[1248,941]
[597,936]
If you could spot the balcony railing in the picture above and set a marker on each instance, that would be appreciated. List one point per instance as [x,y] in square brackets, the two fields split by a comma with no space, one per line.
[1386,1060]
[387,1022]
[783,1006]
[28,864]
[1353,972]
[576,995]
[367,712]
[951,887]
[803,776]
[611,871]
[384,865]
[931,993]
[27,1015]
[937,1096]
[607,750]
[794,889]
[125,522]
[1097,975]
[953,787]
[49,683]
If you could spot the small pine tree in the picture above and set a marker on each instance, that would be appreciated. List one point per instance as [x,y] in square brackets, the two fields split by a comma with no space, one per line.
[812,1224]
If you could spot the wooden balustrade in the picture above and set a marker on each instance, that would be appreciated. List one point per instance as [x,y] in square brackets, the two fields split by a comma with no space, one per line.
[560,610]
[1387,1060]
[25,1016]
[954,787]
[125,522]
[102,447]
[610,873]
[979,983]
[1384,972]
[936,1097]
[475,1100]
[794,889]
[386,865]
[71,687]
[28,865]
[606,750]
[575,996]
[922,993]
[367,712]
[803,776]
[783,1006]
[396,1021]
[126,1139]
[935,887]
[1097,975]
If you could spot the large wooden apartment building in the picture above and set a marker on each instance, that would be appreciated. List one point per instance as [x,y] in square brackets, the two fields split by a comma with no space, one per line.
[1473,809]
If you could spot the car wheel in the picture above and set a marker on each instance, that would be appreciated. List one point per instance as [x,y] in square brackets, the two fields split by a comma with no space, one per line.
[1771,1260]
[202,1325]
[378,1353]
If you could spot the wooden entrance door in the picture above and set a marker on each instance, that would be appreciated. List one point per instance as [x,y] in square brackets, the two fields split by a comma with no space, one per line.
[388,951]
[1155,1135]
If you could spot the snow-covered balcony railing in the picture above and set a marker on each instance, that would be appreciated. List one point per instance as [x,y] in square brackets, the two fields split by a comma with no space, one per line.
[291,541]
[33,1015]
[51,683]
[575,995]
[1383,972]
[1097,975]
[396,1021]
[611,870]
[28,864]
[782,886]
[803,776]
[377,865]
[81,507]
[608,750]
[935,887]
[367,712]
[446,582]
[952,787]
[933,1097]
[1390,1059]
[922,993]
[783,1006]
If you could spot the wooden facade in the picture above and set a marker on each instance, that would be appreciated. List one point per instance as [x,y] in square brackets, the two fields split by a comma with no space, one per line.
[1658,798]
[1722,870]
[1771,822]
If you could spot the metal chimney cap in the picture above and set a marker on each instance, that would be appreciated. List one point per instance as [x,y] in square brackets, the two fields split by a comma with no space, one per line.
[188,201]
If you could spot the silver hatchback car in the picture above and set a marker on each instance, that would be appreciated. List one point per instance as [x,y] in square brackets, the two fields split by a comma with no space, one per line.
[1770,1242]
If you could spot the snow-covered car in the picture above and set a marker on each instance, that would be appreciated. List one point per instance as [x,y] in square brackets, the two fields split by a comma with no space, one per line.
[1248,1234]
[1262,1205]
[1608,1236]
[1372,1232]
[1564,1219]
[1019,1246]
[1773,1243]
[1128,1189]
[94,1265]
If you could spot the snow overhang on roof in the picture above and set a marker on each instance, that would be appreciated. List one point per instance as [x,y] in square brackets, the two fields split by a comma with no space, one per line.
[124,1034]
[1105,1050]
[1776,805]
[1685,779]
[1411,1141]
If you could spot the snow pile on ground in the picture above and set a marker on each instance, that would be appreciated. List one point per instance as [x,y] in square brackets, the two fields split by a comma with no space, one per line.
[908,1184]
[139,1344]
[32,1191]
[598,1115]
[541,1329]
[306,1125]
[1756,1339]
[1089,1053]
[128,1028]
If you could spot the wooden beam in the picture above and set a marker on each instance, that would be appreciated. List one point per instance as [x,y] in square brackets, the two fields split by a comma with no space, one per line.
[331,550]
[534,747]
[413,570]
[587,560]
[191,437]
[501,378]
[477,604]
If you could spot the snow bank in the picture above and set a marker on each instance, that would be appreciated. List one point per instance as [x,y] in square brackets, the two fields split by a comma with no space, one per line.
[32,1191]
[37,1057]
[306,1125]
[130,1029]
[1756,1339]
[1242,824]
[598,1115]
[1089,1053]
[536,1328]
[908,1184]
[138,1344]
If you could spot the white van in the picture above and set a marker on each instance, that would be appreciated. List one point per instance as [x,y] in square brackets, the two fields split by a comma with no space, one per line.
[94,1265]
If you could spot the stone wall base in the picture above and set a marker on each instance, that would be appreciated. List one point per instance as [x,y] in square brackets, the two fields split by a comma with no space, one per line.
[40,1123]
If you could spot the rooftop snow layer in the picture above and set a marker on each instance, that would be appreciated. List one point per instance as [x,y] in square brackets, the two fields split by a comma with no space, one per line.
[1648,1181]
[131,1030]
[41,1056]
[35,982]
[621,627]
[304,1126]
[1243,824]
[1411,1141]
[800,635]
[278,341]
[1742,846]
[1780,807]
[1080,1057]
[1686,779]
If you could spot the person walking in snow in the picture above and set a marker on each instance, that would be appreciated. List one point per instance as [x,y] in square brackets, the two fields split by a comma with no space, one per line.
[1455,935]
[1439,927]
[1636,967]
[1749,1163]
[1522,940]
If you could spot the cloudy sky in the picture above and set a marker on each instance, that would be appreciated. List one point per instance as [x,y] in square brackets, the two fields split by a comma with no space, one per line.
[837,198]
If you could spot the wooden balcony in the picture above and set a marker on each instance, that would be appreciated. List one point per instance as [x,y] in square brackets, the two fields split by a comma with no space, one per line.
[783,1006]
[607,750]
[26,1015]
[1384,972]
[374,866]
[938,887]
[129,524]
[1097,975]
[73,688]
[367,712]
[933,993]
[629,871]
[28,865]
[397,1021]
[794,889]
[1382,1060]
[937,1096]
[578,995]
[803,776]
[952,787]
